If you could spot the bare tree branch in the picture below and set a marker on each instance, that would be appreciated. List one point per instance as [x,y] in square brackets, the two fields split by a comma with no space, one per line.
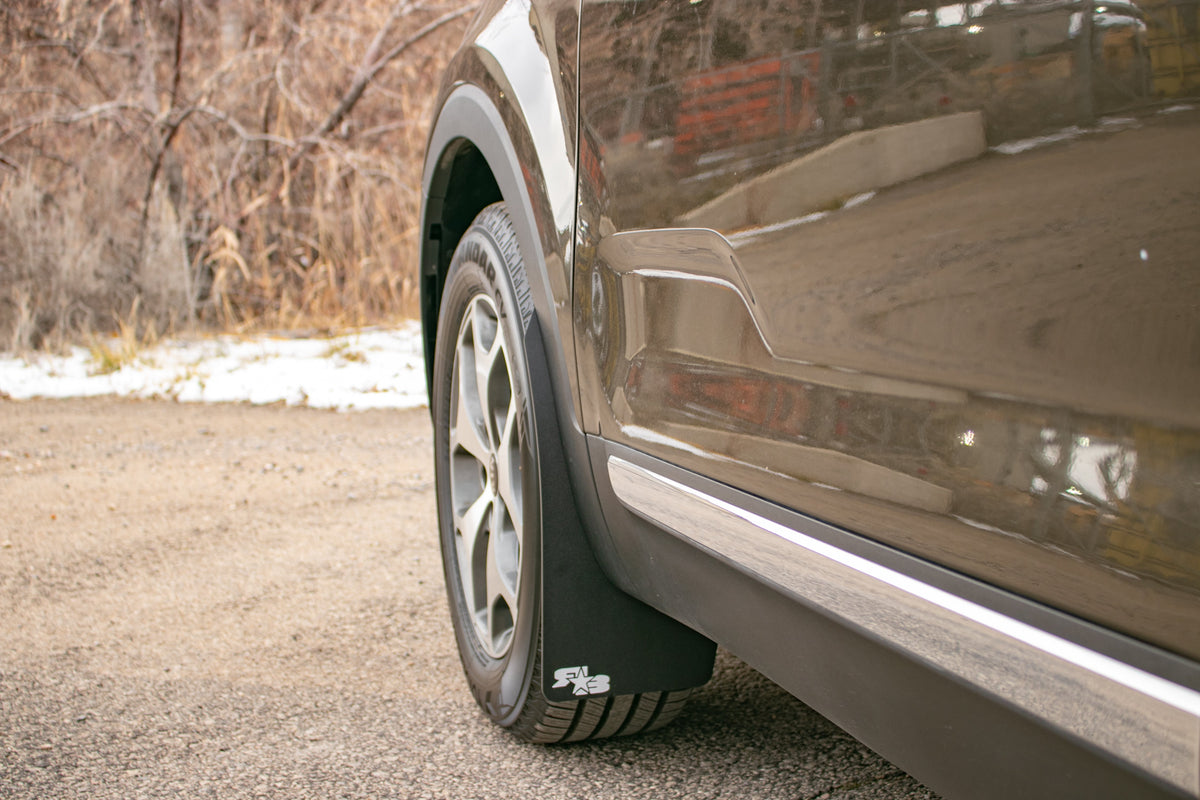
[363,79]
[122,99]
[238,129]
[100,110]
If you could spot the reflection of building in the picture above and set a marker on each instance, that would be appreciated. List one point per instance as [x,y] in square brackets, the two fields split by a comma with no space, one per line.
[1174,44]
[784,79]
[1155,533]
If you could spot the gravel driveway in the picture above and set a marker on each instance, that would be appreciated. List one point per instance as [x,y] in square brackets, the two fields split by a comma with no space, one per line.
[236,602]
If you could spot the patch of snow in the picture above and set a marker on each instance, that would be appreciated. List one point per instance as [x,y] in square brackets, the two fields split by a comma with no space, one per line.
[742,237]
[1064,135]
[376,368]
[858,200]
[1022,145]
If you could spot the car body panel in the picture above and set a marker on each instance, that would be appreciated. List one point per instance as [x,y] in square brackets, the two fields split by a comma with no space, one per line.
[988,358]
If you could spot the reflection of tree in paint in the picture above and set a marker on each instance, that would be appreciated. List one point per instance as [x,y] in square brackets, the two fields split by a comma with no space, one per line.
[1082,467]
[1093,469]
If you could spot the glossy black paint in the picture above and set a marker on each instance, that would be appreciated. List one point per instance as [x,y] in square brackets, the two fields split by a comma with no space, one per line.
[815,252]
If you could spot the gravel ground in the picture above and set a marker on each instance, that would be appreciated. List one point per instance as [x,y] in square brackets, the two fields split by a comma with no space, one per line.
[239,602]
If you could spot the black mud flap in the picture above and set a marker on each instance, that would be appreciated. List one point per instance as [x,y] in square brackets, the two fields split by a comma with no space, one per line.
[596,640]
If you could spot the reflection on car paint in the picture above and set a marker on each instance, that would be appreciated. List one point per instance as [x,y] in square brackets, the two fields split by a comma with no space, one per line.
[941,282]
[1132,715]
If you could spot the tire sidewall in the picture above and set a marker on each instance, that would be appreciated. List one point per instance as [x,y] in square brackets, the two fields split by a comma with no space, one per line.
[481,266]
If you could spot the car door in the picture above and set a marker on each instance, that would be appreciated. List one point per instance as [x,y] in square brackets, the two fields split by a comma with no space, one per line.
[925,273]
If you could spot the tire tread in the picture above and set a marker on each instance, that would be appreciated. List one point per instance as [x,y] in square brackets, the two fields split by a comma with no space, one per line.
[545,721]
[541,720]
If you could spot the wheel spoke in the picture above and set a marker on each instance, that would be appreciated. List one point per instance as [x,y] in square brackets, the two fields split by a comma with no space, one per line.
[486,354]
[502,565]
[508,468]
[467,432]
[472,531]
[470,418]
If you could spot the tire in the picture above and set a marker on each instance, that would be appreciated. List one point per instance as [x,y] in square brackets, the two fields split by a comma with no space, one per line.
[488,497]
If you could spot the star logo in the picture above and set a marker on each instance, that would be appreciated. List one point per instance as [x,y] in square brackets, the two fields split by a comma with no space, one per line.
[582,684]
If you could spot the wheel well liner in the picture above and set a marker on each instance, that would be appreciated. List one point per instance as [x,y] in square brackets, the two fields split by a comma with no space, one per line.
[462,186]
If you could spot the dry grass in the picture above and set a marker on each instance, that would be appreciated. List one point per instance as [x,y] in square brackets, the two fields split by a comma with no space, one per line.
[171,164]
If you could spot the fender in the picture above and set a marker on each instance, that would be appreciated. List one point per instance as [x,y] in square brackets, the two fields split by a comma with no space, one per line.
[482,149]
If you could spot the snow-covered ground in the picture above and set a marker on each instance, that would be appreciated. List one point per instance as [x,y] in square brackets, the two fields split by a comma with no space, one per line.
[366,369]
[1103,125]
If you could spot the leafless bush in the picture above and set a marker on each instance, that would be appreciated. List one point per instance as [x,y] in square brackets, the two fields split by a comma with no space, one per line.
[228,162]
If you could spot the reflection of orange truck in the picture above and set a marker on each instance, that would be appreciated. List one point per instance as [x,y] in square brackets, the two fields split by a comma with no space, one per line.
[746,103]
[1016,55]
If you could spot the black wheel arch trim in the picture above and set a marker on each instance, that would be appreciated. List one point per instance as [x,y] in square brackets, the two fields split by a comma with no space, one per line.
[469,119]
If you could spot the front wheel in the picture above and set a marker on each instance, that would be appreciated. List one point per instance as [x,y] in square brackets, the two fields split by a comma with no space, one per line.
[489,500]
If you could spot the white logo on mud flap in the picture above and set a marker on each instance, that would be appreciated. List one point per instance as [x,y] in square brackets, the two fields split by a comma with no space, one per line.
[581,682]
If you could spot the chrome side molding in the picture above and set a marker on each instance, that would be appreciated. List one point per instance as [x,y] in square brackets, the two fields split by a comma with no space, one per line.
[1142,719]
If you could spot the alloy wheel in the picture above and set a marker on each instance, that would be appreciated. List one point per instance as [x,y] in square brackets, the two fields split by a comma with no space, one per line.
[486,476]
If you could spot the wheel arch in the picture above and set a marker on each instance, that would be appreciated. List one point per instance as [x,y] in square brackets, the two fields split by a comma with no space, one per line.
[473,162]
[465,165]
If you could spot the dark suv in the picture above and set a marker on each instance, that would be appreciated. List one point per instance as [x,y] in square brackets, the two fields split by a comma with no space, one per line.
[862,338]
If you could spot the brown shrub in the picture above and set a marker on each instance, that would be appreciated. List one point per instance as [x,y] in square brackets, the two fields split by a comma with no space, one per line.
[230,163]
